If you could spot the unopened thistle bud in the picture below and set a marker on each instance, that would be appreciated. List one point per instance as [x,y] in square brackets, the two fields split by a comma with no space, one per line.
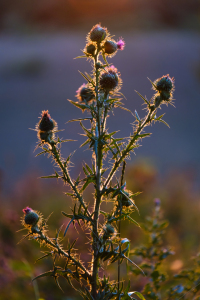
[110,47]
[46,127]
[164,84]
[85,93]
[165,87]
[90,49]
[110,79]
[31,217]
[97,33]
[109,231]
[46,123]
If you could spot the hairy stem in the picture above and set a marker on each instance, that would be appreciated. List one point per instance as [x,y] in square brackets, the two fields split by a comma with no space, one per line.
[60,251]
[67,178]
[127,149]
[98,187]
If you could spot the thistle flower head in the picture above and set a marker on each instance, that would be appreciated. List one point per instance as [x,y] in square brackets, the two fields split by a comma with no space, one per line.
[157,202]
[85,93]
[31,217]
[90,49]
[109,231]
[46,123]
[110,47]
[120,44]
[164,83]
[46,127]
[27,210]
[165,87]
[97,33]
[110,79]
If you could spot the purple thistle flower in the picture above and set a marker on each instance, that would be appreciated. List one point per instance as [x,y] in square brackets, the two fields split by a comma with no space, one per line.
[27,210]
[120,44]
[157,202]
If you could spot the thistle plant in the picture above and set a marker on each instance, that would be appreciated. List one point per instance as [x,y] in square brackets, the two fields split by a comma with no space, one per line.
[98,97]
[153,254]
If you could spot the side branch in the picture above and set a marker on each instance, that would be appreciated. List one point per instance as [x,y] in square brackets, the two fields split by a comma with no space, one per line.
[60,251]
[127,149]
[67,178]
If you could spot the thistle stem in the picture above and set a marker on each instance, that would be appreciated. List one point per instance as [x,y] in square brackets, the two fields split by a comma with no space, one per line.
[127,149]
[95,244]
[67,178]
[60,251]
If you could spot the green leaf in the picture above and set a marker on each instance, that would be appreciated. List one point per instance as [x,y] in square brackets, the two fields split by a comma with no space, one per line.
[67,215]
[124,108]
[80,119]
[160,117]
[152,83]
[65,141]
[133,221]
[66,229]
[145,100]
[111,100]
[90,78]
[84,76]
[51,176]
[137,294]
[89,180]
[57,234]
[43,152]
[85,171]
[81,56]
[143,135]
[44,256]
[164,122]
[86,130]
[57,283]
[133,263]
[69,194]
[85,143]
[89,169]
[79,105]
[49,273]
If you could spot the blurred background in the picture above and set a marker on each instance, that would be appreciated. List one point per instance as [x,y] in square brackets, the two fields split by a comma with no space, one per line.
[38,44]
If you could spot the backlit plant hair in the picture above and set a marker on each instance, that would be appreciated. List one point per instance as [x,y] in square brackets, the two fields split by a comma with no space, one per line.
[98,96]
